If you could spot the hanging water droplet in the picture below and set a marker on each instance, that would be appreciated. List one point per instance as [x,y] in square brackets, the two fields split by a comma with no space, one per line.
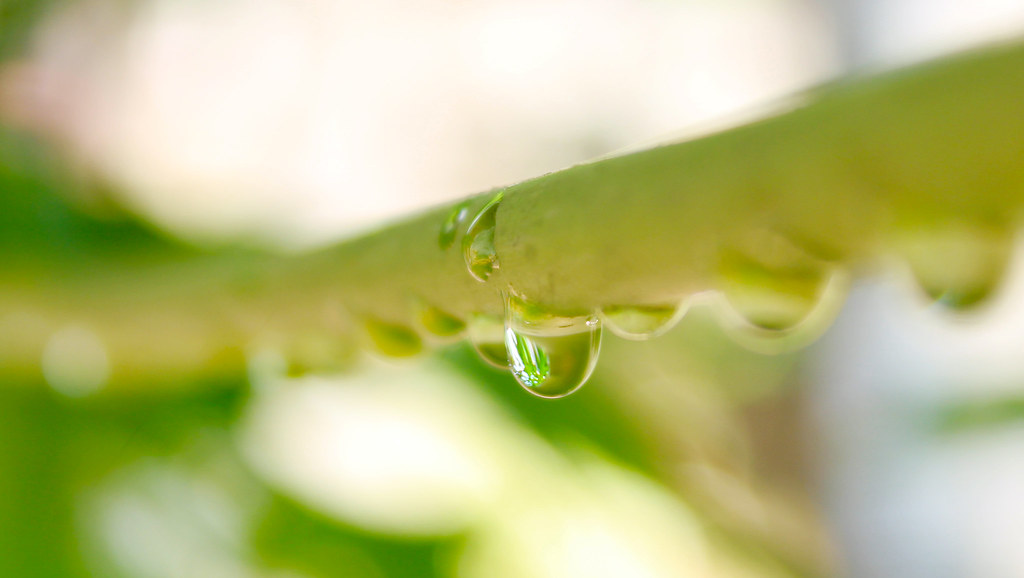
[392,339]
[550,354]
[478,243]
[957,265]
[640,322]
[770,282]
[439,323]
[317,353]
[806,330]
[487,335]
[450,226]
[775,295]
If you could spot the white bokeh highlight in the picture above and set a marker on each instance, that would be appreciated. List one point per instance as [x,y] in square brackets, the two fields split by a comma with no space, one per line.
[269,119]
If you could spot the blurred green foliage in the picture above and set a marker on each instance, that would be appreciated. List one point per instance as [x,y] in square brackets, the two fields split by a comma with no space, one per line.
[692,399]
[979,415]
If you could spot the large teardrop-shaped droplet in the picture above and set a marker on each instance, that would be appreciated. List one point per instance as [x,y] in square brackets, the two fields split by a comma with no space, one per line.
[391,339]
[551,354]
[439,323]
[450,226]
[640,322]
[770,282]
[478,243]
[487,335]
[958,265]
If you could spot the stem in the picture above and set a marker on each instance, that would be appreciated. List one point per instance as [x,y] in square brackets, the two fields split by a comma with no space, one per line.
[858,163]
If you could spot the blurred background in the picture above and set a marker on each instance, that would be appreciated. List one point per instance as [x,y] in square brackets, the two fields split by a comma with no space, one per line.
[139,131]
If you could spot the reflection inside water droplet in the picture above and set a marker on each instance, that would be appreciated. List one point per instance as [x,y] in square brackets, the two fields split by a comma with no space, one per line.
[640,322]
[391,339]
[478,243]
[487,335]
[550,354]
[450,226]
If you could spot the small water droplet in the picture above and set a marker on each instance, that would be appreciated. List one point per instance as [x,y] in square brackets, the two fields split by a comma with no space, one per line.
[317,353]
[770,282]
[487,335]
[806,330]
[450,226]
[478,243]
[640,322]
[439,323]
[957,265]
[391,339]
[550,354]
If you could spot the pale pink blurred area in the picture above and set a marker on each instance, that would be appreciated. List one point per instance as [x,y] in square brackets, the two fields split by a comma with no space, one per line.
[294,123]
